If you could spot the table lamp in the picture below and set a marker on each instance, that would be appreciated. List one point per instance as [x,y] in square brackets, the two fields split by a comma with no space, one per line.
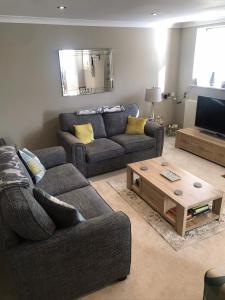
[153,95]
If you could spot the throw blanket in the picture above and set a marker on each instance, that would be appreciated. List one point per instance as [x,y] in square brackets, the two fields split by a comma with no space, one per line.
[101,110]
[116,108]
[11,171]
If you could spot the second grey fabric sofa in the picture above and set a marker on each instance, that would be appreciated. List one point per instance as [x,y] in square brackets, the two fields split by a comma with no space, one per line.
[214,285]
[75,260]
[112,148]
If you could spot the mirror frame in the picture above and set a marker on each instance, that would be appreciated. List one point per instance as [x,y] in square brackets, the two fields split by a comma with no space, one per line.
[85,90]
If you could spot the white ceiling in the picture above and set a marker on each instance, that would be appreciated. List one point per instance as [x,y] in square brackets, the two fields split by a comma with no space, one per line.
[111,12]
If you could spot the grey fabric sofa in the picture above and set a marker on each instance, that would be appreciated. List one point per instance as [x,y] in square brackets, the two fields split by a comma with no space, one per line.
[214,284]
[112,149]
[74,260]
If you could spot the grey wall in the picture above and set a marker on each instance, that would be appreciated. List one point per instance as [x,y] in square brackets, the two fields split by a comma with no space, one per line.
[166,108]
[185,112]
[186,60]
[30,87]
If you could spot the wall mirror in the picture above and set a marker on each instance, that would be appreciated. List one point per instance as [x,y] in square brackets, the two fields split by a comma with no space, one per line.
[85,72]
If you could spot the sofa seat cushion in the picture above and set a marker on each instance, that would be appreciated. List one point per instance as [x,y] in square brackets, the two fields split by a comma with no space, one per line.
[62,179]
[102,149]
[134,142]
[87,201]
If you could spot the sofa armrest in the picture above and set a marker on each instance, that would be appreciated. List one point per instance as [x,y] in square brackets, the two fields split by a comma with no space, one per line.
[214,287]
[75,150]
[155,130]
[74,260]
[51,157]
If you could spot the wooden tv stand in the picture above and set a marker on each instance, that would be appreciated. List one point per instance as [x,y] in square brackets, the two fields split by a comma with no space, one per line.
[202,144]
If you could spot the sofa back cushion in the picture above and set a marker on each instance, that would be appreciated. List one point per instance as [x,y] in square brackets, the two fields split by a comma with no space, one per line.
[27,174]
[24,214]
[116,122]
[2,142]
[68,120]
[8,237]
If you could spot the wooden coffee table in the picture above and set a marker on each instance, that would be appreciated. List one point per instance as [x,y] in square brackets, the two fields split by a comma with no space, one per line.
[158,192]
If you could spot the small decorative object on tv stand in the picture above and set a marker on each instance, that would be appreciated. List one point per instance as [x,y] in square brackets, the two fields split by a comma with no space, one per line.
[212,79]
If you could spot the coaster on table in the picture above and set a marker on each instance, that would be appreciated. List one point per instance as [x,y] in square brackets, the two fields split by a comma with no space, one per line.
[197,184]
[143,168]
[164,163]
[178,192]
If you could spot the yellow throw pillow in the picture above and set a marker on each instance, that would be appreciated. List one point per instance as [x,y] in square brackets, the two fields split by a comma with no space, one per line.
[84,133]
[135,125]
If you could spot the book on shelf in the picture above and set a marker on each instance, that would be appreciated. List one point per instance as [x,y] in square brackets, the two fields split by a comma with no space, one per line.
[193,211]
[199,209]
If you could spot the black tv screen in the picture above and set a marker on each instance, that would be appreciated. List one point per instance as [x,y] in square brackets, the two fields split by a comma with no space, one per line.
[210,114]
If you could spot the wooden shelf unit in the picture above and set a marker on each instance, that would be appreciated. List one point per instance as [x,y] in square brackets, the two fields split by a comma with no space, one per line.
[196,221]
[201,220]
[202,144]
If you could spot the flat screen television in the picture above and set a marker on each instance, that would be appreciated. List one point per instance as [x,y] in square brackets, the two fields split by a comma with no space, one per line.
[210,114]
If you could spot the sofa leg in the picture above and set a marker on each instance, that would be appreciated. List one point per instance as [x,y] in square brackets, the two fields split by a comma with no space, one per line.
[122,278]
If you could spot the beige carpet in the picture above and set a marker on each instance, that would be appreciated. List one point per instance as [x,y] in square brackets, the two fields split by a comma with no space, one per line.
[166,230]
[157,271]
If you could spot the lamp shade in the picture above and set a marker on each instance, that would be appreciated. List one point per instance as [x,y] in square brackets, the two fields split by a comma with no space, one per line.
[153,95]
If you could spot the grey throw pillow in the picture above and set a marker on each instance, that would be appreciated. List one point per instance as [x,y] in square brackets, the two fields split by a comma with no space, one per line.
[62,213]
[24,215]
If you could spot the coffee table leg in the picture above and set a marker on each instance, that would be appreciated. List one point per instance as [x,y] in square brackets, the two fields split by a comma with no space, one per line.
[181,215]
[217,207]
[129,177]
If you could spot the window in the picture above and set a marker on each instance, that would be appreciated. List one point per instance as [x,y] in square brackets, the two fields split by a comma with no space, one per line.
[209,60]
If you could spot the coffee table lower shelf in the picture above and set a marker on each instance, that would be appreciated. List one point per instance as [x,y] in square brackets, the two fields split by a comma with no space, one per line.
[196,221]
[181,224]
